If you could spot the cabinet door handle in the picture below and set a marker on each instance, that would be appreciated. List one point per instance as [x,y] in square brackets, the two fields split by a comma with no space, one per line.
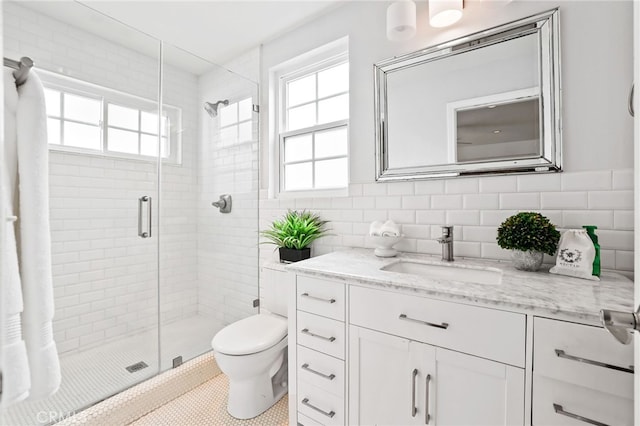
[320,299]
[306,367]
[443,325]
[308,333]
[329,414]
[427,416]
[559,410]
[414,410]
[561,354]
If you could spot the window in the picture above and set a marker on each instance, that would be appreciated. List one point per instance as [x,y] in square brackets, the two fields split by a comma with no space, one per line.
[83,117]
[235,122]
[313,137]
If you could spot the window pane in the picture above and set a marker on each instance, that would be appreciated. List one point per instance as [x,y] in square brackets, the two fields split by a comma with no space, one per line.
[245,108]
[244,132]
[301,90]
[120,116]
[52,101]
[300,117]
[82,109]
[331,143]
[331,173]
[123,141]
[333,109]
[228,114]
[53,131]
[297,177]
[333,80]
[297,148]
[229,135]
[148,122]
[81,135]
[149,145]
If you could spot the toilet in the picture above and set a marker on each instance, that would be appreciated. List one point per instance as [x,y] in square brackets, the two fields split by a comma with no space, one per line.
[252,352]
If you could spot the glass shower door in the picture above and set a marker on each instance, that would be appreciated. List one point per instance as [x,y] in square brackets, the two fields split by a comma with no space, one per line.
[209,257]
[105,136]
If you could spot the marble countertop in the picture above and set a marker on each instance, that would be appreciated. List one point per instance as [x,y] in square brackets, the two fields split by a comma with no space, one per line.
[538,293]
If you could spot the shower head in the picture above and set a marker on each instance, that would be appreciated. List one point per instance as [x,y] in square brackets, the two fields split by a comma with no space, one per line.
[212,108]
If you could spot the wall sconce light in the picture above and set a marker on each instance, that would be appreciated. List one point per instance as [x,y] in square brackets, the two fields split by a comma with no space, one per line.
[443,13]
[401,20]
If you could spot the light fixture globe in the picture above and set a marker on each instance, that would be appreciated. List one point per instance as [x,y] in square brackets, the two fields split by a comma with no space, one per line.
[401,20]
[443,13]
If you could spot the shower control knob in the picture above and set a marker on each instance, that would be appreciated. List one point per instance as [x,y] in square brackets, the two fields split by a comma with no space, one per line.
[224,203]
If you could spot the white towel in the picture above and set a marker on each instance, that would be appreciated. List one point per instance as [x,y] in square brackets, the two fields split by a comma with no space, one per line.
[374,228]
[389,229]
[35,239]
[13,354]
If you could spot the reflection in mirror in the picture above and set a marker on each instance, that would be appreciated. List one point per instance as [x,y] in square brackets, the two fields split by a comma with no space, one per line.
[486,103]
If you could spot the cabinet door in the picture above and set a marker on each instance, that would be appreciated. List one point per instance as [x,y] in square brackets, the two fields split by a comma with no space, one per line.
[387,376]
[468,390]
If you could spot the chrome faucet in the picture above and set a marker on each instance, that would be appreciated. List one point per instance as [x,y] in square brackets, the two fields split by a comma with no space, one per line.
[447,243]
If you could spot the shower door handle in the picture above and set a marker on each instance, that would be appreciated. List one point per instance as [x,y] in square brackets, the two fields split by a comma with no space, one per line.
[145,199]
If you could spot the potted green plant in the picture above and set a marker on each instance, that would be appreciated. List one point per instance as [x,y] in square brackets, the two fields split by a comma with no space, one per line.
[294,233]
[528,235]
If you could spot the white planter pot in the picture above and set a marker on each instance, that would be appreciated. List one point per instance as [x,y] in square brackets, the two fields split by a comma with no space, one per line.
[527,260]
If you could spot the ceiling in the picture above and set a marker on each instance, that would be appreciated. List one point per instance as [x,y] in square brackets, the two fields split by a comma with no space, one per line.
[214,30]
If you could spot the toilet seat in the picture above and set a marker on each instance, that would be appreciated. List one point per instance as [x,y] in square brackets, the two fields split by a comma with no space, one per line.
[250,335]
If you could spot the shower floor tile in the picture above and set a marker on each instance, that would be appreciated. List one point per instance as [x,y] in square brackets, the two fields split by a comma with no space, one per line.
[95,374]
[206,405]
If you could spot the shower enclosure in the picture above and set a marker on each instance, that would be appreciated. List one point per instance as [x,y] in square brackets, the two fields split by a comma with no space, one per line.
[143,137]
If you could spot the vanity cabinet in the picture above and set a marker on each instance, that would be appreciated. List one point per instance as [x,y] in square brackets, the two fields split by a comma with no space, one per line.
[398,380]
[365,351]
[580,376]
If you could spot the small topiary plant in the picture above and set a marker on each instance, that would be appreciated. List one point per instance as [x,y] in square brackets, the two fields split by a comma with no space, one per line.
[528,231]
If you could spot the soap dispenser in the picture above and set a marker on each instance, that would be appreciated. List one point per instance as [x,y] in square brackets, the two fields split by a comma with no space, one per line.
[596,261]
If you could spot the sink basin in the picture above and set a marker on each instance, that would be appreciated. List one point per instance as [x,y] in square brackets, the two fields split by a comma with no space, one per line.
[448,272]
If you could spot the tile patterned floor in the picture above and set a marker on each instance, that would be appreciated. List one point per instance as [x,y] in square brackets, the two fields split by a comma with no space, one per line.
[206,405]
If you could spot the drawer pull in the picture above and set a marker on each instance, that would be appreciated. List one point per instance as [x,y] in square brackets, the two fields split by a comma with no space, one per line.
[414,410]
[330,414]
[443,325]
[320,299]
[427,416]
[311,370]
[558,409]
[561,354]
[308,333]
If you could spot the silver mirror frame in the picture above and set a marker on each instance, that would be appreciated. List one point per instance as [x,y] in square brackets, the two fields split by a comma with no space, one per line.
[546,26]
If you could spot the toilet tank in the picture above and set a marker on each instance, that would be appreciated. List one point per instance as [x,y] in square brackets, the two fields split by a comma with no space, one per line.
[273,289]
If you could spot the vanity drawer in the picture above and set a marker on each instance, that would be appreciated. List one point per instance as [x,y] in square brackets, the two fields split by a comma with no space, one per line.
[322,334]
[321,297]
[488,333]
[577,400]
[320,405]
[307,421]
[582,354]
[321,370]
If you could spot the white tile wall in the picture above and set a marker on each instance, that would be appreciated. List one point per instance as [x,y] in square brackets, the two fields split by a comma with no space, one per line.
[476,207]
[105,277]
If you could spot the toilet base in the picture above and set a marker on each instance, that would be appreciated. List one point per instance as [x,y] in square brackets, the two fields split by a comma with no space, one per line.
[250,398]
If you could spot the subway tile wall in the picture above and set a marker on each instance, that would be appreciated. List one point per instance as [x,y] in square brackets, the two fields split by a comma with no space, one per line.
[476,207]
[105,277]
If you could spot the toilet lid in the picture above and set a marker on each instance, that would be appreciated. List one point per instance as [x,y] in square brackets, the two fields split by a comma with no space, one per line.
[250,335]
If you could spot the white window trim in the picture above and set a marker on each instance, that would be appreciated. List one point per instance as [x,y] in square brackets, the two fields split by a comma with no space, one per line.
[106,95]
[317,59]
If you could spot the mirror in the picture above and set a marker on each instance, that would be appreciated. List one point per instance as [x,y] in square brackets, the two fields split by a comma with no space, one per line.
[488,103]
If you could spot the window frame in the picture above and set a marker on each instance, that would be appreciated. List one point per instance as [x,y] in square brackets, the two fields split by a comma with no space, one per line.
[313,62]
[106,96]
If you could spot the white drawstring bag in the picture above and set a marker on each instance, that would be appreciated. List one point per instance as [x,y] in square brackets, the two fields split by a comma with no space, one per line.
[575,256]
